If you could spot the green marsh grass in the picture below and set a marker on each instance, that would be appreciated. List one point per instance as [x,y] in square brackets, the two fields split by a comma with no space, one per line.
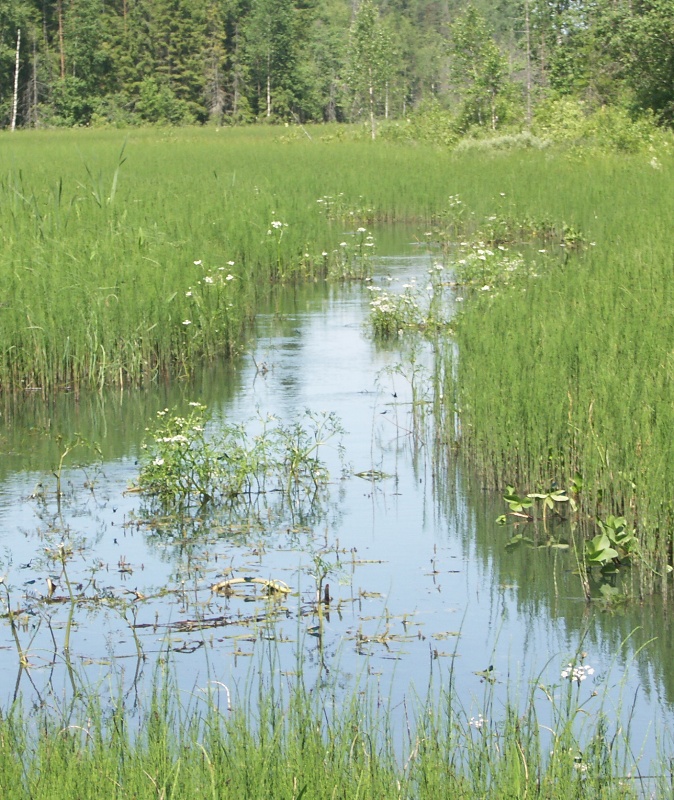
[571,373]
[285,740]
[132,257]
[101,231]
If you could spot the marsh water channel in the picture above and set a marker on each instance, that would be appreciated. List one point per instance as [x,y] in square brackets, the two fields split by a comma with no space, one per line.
[421,583]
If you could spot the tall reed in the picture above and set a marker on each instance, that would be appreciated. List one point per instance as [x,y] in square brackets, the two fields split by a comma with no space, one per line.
[118,247]
[292,742]
[571,372]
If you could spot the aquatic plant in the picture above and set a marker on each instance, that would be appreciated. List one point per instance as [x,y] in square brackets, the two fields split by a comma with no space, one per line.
[120,269]
[352,259]
[615,544]
[416,308]
[567,372]
[184,464]
[487,269]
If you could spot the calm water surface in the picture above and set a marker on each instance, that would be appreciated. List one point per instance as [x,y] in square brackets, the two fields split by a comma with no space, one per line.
[419,575]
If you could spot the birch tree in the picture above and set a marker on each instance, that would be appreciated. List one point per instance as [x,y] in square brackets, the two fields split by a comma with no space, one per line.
[370,62]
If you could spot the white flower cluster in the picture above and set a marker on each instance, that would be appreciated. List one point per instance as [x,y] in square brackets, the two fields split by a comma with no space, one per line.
[477,722]
[577,673]
[276,225]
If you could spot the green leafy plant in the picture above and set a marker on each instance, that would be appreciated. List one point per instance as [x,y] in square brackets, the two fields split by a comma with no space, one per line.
[184,464]
[550,500]
[352,260]
[613,546]
[518,505]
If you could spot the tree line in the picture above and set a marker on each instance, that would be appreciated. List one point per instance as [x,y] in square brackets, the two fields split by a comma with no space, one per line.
[83,62]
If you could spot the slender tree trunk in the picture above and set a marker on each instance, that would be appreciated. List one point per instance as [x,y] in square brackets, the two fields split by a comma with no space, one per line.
[528,40]
[331,112]
[235,74]
[268,86]
[372,122]
[62,53]
[34,94]
[218,99]
[15,100]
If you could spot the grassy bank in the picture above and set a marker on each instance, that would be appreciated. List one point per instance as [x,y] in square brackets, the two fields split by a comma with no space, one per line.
[128,256]
[567,376]
[299,743]
[132,257]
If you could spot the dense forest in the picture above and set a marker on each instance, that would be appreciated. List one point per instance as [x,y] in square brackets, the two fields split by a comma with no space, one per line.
[492,65]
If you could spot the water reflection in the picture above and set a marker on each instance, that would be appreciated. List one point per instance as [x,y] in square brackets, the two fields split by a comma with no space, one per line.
[418,573]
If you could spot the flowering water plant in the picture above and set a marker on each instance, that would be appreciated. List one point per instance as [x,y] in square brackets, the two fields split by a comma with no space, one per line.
[184,463]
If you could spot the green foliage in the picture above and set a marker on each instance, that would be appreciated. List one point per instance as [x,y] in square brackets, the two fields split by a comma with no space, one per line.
[416,308]
[144,268]
[551,498]
[486,269]
[561,120]
[508,141]
[158,104]
[553,380]
[430,123]
[608,128]
[272,36]
[183,464]
[479,70]
[517,504]
[353,258]
[291,741]
[90,62]
[370,58]
[640,38]
[70,105]
[615,544]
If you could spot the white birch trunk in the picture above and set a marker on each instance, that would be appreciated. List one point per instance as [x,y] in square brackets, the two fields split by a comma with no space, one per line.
[15,100]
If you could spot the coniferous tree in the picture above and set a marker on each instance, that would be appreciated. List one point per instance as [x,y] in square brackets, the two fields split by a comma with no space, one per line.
[325,70]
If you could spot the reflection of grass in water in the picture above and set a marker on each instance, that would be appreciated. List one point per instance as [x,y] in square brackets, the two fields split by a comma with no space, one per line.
[281,738]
